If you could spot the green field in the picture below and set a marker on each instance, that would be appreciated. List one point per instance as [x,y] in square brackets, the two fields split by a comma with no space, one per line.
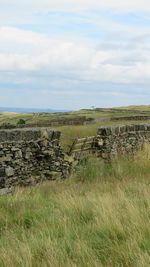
[100,114]
[99,217]
[102,117]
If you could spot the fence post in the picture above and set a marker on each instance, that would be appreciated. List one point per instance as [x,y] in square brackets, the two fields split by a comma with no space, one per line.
[72,146]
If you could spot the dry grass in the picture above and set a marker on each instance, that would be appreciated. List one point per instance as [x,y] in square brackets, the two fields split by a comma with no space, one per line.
[100,217]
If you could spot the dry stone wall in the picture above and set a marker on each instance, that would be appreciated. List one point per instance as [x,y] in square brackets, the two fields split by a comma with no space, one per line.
[78,120]
[28,156]
[131,118]
[112,141]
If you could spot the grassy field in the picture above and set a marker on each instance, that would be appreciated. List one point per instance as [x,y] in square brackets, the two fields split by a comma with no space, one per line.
[100,114]
[102,117]
[99,217]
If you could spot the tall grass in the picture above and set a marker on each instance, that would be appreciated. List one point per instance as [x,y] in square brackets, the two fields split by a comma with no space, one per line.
[99,217]
[128,168]
[70,133]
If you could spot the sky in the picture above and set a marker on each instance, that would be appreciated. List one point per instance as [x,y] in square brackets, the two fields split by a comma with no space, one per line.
[72,54]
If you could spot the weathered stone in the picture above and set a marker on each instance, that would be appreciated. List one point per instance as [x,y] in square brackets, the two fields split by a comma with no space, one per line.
[100,142]
[5,159]
[44,134]
[6,191]
[14,149]
[28,155]
[9,171]
[49,153]
[121,139]
[18,154]
[69,159]
[1,153]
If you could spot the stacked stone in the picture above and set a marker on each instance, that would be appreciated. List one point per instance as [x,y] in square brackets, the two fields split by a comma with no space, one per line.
[28,156]
[133,118]
[125,139]
[78,120]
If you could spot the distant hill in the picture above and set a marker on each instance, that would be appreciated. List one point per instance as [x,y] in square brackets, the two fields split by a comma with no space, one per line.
[29,110]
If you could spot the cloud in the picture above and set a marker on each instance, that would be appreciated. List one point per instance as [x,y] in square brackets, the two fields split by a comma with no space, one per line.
[20,36]
[37,51]
[74,59]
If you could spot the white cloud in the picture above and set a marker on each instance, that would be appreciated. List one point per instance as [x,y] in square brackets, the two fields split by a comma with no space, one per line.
[19,36]
[75,59]
[42,51]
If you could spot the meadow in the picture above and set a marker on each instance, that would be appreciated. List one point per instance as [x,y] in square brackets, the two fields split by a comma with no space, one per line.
[99,217]
[102,117]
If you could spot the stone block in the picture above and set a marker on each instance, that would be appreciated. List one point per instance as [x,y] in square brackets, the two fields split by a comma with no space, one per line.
[9,171]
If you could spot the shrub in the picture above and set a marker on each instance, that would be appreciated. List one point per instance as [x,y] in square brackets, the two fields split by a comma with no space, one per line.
[21,122]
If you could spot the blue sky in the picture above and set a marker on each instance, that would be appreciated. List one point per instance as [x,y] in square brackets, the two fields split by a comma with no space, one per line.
[68,54]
